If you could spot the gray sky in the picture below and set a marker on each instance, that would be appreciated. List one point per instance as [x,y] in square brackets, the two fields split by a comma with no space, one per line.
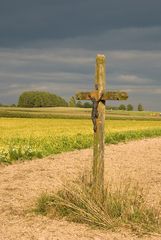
[51,45]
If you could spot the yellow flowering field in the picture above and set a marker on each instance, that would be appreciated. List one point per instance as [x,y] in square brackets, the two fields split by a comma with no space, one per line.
[41,137]
[32,128]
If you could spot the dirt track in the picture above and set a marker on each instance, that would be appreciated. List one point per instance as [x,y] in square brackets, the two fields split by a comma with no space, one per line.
[22,183]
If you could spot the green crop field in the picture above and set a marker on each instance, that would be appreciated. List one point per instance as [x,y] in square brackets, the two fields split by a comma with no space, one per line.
[27,138]
[74,113]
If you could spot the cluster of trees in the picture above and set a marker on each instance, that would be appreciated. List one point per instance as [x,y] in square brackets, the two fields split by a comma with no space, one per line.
[74,103]
[129,107]
[7,105]
[46,99]
[84,105]
[40,99]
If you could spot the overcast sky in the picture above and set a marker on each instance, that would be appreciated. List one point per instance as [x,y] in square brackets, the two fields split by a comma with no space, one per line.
[51,45]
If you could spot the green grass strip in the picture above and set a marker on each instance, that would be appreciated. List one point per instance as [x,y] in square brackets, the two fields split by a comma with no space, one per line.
[114,138]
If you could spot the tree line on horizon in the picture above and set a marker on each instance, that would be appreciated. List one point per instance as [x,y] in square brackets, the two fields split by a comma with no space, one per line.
[45,99]
[128,107]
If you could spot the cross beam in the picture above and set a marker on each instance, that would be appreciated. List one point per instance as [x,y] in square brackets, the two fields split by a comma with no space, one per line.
[112,95]
[98,97]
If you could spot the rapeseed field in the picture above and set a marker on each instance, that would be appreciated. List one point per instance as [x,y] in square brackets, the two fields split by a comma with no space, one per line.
[25,138]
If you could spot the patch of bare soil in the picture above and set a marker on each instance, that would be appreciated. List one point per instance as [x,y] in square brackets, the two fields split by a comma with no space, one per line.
[22,183]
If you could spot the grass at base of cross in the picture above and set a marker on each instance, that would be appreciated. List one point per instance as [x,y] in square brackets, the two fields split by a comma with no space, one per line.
[27,149]
[121,206]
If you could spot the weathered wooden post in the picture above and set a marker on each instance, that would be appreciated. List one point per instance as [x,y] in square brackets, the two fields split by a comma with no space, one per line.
[98,97]
[98,150]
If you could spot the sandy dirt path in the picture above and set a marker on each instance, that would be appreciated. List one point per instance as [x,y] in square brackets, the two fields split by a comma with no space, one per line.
[22,183]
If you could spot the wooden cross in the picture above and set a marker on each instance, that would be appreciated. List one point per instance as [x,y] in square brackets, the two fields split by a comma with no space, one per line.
[98,97]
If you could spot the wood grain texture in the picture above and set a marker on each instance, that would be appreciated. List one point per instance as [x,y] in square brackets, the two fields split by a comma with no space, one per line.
[98,151]
[111,95]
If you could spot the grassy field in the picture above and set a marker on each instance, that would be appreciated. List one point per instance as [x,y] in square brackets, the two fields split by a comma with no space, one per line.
[74,113]
[29,138]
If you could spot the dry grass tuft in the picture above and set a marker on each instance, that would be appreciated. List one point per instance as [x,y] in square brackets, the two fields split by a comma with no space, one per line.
[122,206]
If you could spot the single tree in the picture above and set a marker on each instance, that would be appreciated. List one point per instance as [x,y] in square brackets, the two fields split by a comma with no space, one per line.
[130,107]
[122,107]
[140,107]
[72,102]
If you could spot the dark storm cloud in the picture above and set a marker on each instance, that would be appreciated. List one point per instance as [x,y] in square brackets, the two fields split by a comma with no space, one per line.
[53,70]
[51,46]
[125,39]
[24,21]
